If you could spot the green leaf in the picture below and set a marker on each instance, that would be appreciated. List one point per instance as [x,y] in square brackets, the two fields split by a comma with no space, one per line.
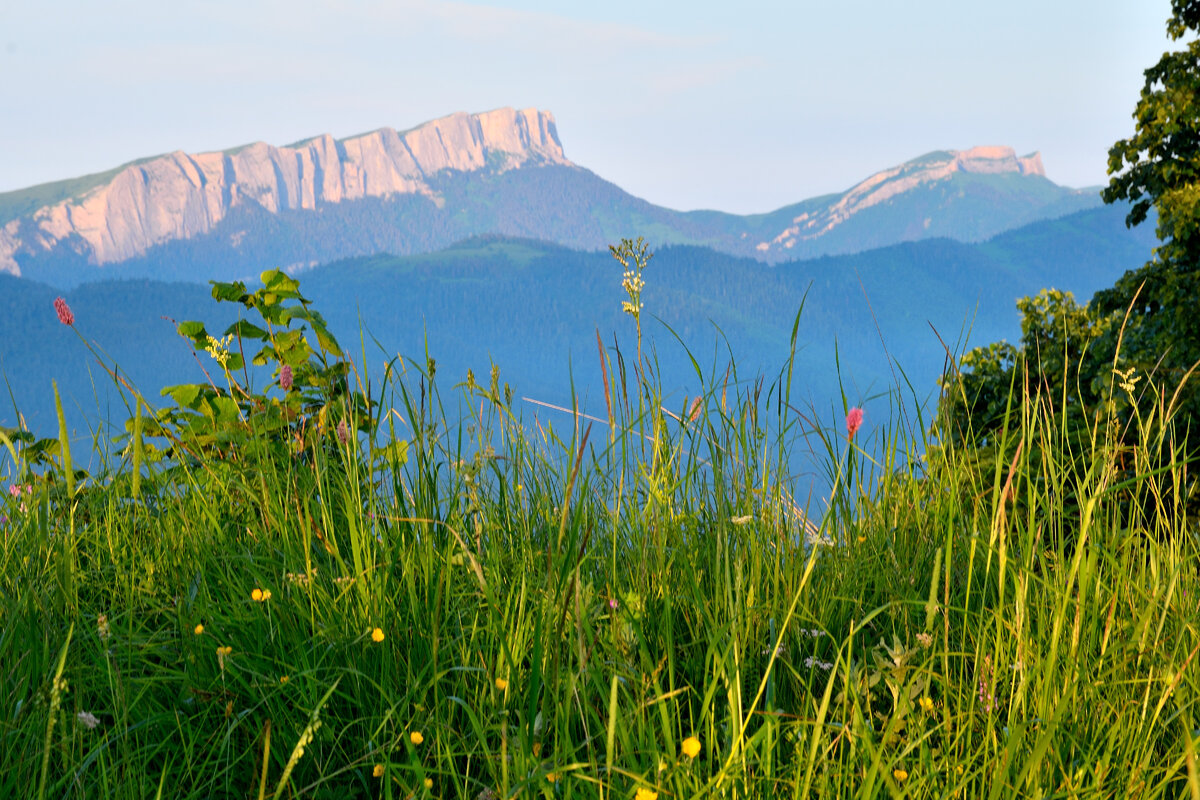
[247,330]
[325,339]
[228,291]
[278,281]
[396,453]
[193,330]
[225,409]
[184,395]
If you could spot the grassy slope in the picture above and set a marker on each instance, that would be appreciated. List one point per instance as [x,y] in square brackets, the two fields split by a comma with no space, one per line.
[552,630]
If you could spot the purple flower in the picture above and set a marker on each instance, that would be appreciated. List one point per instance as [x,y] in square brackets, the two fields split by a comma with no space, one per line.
[285,378]
[612,603]
[64,311]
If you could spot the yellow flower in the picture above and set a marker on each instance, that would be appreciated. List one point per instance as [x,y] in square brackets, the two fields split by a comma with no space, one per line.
[900,775]
[551,776]
[377,635]
[283,679]
[862,539]
[224,651]
[926,705]
[691,747]
[645,794]
[378,771]
[199,629]
[257,595]
[415,737]
[428,784]
[501,684]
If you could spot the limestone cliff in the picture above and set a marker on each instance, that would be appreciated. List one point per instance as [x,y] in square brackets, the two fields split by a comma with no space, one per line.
[885,185]
[178,196]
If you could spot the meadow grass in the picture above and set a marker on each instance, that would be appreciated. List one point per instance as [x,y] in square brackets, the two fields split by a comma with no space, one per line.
[460,602]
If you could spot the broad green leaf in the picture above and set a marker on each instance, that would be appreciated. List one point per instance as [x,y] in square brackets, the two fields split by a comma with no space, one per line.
[247,330]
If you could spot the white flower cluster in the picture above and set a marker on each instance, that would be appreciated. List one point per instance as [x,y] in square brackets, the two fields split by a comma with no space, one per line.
[632,282]
[812,662]
[219,349]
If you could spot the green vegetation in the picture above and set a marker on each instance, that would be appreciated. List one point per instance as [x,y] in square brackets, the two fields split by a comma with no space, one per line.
[1146,328]
[324,587]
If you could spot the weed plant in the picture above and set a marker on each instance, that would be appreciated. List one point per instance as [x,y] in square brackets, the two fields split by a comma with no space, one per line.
[339,584]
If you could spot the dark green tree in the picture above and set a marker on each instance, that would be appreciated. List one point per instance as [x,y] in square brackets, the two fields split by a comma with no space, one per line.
[1084,365]
[1159,168]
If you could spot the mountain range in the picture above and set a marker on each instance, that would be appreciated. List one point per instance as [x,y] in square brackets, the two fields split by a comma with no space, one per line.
[475,239]
[231,213]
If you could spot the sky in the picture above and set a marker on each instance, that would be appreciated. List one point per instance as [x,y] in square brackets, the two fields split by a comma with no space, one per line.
[742,107]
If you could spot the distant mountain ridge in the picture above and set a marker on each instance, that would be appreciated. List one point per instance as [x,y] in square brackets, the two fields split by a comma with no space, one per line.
[233,213]
[179,196]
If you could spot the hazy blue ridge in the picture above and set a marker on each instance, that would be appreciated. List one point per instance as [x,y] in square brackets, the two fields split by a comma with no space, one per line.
[535,308]
[567,205]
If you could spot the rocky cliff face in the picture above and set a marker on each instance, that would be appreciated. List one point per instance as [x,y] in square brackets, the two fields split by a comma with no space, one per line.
[885,185]
[178,196]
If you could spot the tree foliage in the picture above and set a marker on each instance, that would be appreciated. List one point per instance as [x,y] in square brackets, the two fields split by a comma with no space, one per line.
[1082,364]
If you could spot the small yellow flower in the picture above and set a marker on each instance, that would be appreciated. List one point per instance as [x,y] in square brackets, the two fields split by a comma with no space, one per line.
[377,635]
[224,651]
[645,794]
[257,595]
[415,737]
[691,747]
[199,629]
[283,679]
[428,784]
[552,776]
[378,771]
[900,775]
[926,705]
[501,684]
[862,539]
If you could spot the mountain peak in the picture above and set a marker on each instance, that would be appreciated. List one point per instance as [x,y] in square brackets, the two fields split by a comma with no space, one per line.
[178,196]
[940,165]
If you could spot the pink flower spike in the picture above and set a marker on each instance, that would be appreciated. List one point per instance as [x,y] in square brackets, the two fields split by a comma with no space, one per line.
[14,490]
[854,420]
[64,311]
[285,378]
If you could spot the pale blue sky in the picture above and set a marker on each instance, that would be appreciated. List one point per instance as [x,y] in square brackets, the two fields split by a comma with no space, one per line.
[740,106]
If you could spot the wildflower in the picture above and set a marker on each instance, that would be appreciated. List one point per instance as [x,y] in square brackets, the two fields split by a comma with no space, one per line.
[258,595]
[925,640]
[87,720]
[501,684]
[900,775]
[416,737]
[691,747]
[283,680]
[219,349]
[551,776]
[222,654]
[102,626]
[377,636]
[285,378]
[64,311]
[199,629]
[14,490]
[343,432]
[378,771]
[854,420]
[926,705]
[645,794]
[428,784]
[613,604]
